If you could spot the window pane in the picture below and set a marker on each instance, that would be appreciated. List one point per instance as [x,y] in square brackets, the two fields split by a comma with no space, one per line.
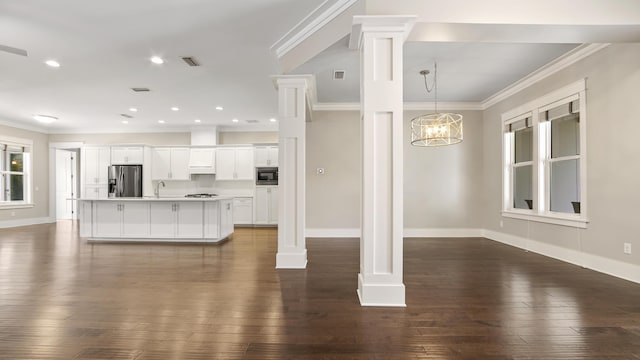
[523,145]
[565,136]
[565,190]
[522,187]
[16,162]
[17,188]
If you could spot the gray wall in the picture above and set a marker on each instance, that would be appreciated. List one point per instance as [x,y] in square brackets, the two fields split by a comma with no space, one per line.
[442,186]
[333,143]
[40,177]
[613,172]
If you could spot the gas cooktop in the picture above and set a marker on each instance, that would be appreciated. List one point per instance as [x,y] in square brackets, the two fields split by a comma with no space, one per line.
[200,195]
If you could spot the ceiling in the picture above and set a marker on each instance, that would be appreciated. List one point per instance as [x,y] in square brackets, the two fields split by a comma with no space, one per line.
[467,72]
[104,50]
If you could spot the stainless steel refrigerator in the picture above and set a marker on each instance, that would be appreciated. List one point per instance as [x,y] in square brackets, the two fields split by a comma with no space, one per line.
[125,181]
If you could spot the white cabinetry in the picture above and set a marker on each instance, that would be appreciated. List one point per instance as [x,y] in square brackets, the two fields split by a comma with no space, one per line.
[218,219]
[95,171]
[266,156]
[183,220]
[170,164]
[234,163]
[120,219]
[266,205]
[202,161]
[243,211]
[127,155]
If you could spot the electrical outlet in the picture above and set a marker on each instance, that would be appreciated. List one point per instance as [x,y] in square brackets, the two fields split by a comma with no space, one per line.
[13,213]
[501,223]
[627,248]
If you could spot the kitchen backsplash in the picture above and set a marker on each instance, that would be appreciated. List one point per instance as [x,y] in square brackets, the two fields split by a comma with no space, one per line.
[206,184]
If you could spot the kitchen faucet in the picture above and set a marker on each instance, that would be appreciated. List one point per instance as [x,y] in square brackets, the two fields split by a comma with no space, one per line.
[156,190]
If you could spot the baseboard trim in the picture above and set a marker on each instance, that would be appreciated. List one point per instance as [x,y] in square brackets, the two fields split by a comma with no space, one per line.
[452,233]
[597,263]
[25,222]
[408,233]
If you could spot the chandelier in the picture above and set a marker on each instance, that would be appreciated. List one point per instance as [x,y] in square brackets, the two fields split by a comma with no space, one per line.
[435,129]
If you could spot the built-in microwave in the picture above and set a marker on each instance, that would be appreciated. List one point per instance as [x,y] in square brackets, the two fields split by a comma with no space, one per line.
[266,176]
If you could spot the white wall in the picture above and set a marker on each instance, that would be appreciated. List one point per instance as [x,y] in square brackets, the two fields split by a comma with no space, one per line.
[613,172]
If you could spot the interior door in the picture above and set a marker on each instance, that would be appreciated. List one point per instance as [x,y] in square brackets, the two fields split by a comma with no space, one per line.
[65,184]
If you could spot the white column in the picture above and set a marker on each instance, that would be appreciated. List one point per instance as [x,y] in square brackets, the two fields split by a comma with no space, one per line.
[380,40]
[292,251]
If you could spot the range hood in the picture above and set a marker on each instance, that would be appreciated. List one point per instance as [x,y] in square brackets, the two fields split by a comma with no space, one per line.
[202,157]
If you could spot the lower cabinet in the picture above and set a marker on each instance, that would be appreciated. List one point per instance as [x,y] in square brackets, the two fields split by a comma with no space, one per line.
[182,220]
[120,219]
[266,205]
[201,221]
[218,219]
[243,211]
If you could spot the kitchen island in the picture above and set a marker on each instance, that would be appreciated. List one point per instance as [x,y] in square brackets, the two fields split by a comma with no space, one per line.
[150,219]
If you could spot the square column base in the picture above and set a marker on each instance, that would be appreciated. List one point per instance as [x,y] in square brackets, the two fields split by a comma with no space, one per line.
[380,294]
[291,260]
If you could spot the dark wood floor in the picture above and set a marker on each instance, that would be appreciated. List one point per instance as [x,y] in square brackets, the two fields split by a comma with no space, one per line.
[62,298]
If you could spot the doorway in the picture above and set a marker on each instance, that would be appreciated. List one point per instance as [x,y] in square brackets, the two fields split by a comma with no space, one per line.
[66,184]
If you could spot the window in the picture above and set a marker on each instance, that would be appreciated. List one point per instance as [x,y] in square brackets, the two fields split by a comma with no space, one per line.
[15,170]
[544,174]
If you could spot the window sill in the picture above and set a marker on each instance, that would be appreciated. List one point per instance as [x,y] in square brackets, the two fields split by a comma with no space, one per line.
[17,205]
[564,220]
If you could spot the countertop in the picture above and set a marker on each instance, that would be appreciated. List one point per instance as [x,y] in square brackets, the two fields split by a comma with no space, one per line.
[154,199]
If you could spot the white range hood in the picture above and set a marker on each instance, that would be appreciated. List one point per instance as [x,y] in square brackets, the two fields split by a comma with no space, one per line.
[202,157]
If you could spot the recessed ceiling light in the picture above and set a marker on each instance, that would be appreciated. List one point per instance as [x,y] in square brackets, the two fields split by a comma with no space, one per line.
[133,109]
[52,63]
[273,120]
[219,108]
[46,119]
[157,60]
[161,121]
[125,122]
[175,108]
[197,120]
[235,120]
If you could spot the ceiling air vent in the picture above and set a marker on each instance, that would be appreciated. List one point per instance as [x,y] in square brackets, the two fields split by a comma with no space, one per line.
[140,89]
[191,61]
[338,74]
[127,116]
[252,121]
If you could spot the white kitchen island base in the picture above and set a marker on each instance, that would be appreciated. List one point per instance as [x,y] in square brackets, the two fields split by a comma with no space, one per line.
[184,220]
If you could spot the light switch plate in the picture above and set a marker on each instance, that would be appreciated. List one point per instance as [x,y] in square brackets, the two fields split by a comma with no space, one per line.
[627,248]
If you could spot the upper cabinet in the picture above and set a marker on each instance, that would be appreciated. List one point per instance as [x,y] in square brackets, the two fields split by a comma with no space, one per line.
[235,163]
[266,156]
[202,161]
[95,171]
[127,155]
[170,164]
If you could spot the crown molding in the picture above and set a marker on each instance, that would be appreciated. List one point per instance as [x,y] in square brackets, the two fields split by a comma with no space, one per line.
[545,71]
[308,26]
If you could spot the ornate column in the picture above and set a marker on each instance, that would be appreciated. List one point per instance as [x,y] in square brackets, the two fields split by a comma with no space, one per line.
[380,40]
[292,251]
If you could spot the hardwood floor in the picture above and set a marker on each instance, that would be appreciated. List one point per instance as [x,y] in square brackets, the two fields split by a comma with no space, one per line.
[62,298]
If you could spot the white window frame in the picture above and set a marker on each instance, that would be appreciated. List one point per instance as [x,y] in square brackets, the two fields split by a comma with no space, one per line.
[26,173]
[542,158]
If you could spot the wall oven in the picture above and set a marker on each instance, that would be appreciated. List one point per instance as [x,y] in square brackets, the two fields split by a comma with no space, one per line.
[266,176]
